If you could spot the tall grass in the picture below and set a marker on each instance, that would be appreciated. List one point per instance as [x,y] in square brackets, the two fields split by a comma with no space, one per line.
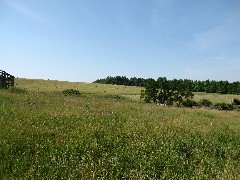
[99,136]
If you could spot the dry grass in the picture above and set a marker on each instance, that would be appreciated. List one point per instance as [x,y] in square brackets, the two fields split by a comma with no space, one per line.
[215,97]
[88,88]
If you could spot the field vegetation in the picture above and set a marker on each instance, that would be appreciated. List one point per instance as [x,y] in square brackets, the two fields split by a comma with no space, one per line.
[106,132]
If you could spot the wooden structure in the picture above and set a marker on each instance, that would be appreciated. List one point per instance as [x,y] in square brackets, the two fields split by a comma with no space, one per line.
[6,80]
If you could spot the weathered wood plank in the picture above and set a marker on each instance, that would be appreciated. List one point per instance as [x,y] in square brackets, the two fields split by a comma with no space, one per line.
[6,80]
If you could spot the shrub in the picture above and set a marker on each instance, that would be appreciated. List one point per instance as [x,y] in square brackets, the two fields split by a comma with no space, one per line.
[223,106]
[205,102]
[189,103]
[236,101]
[71,92]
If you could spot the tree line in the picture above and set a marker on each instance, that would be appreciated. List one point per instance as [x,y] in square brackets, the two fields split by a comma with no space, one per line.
[122,80]
[208,86]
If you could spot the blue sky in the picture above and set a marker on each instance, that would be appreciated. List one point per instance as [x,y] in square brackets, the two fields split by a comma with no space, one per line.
[83,40]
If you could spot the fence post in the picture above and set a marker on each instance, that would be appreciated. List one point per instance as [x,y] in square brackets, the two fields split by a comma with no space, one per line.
[6,80]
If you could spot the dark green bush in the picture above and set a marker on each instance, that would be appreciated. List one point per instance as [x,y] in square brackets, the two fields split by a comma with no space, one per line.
[205,102]
[223,106]
[236,101]
[189,103]
[71,92]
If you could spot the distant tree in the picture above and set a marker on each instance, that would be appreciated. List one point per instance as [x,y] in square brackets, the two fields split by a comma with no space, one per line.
[164,91]
[206,86]
[212,87]
[223,87]
[133,81]
[150,92]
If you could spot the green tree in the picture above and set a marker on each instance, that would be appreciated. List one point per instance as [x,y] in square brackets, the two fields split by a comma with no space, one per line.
[151,91]
[164,91]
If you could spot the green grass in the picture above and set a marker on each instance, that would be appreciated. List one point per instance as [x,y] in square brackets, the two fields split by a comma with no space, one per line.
[106,135]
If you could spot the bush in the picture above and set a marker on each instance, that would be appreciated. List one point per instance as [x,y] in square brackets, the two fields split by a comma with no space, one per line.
[205,102]
[223,106]
[189,103]
[71,92]
[236,101]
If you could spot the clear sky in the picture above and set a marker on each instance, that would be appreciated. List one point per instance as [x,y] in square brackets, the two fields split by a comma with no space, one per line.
[83,40]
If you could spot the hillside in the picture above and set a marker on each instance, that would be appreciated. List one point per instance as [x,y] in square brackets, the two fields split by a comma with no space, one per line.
[105,134]
[133,92]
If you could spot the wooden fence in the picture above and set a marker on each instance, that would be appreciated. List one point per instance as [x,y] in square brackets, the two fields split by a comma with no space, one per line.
[6,80]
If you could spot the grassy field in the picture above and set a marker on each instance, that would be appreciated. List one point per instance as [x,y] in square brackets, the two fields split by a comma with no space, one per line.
[87,88]
[108,133]
[38,85]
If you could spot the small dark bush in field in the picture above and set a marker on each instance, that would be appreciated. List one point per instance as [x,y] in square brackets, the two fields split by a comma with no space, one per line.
[17,90]
[236,101]
[71,92]
[205,102]
[223,106]
[189,103]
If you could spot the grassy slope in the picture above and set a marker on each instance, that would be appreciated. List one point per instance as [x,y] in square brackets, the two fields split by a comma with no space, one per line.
[99,135]
[88,88]
[92,88]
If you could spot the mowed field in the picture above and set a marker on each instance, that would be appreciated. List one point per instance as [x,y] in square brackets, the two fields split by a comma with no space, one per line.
[108,133]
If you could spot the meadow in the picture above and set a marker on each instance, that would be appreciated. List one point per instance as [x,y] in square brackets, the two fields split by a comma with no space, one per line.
[108,133]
